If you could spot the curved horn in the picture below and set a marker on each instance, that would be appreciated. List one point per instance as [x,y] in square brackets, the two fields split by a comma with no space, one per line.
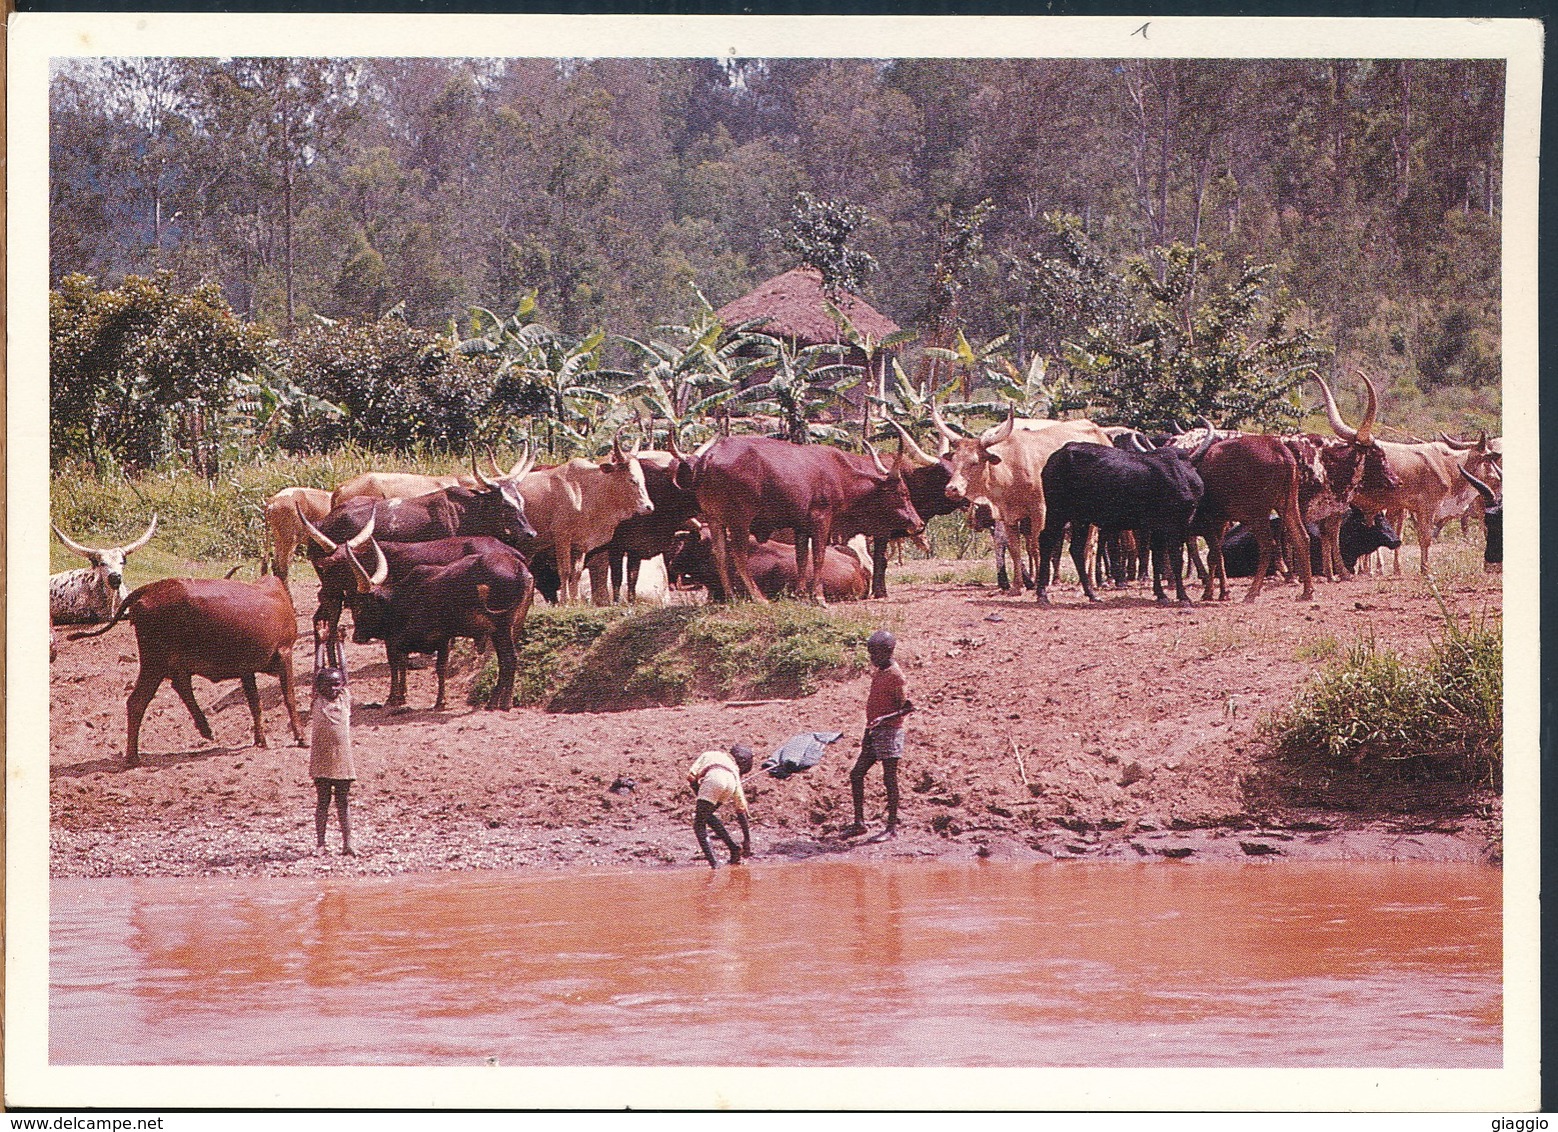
[705,446]
[1201,449]
[1134,440]
[670,442]
[131,547]
[881,468]
[366,533]
[481,479]
[1179,429]
[1458,445]
[365,581]
[1487,493]
[1001,433]
[1333,414]
[918,455]
[492,462]
[1366,429]
[71,544]
[522,466]
[941,426]
[314,532]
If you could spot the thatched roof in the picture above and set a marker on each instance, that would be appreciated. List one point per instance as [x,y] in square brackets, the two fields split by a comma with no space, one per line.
[792,305]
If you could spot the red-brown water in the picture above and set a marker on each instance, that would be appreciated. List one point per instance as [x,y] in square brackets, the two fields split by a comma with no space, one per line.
[822,963]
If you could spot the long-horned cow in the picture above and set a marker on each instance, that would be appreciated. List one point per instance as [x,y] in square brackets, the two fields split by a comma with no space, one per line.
[576,508]
[211,627]
[614,568]
[92,593]
[1005,465]
[1428,485]
[753,485]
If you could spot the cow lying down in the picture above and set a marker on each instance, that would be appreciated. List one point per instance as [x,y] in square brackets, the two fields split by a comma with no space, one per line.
[1241,552]
[845,577]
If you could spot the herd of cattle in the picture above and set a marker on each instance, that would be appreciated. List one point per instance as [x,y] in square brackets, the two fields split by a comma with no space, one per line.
[423,560]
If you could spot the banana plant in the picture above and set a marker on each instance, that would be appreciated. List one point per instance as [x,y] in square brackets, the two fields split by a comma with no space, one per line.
[687,373]
[868,344]
[971,361]
[803,387]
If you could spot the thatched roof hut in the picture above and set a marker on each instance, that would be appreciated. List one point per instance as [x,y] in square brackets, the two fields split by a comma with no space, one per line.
[791,307]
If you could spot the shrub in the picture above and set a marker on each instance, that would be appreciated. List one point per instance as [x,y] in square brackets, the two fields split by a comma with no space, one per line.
[1436,716]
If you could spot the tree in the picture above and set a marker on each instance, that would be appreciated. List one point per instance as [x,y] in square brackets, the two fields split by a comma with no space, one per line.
[818,236]
[1231,355]
[140,369]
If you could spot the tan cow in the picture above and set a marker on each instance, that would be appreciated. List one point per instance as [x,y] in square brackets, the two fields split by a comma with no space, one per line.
[575,508]
[1003,466]
[1430,486]
[409,485]
[284,534]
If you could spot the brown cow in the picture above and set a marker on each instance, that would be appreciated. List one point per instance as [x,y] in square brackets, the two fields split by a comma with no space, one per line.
[754,485]
[211,627]
[1004,467]
[284,534]
[845,576]
[1246,478]
[1333,470]
[1428,485]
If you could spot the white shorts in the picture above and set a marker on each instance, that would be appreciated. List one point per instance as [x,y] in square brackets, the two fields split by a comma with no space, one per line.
[718,786]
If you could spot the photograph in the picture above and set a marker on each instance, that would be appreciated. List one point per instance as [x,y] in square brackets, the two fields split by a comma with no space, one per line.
[966,551]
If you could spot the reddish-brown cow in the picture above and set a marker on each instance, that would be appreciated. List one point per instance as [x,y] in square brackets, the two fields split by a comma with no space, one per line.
[211,627]
[1246,479]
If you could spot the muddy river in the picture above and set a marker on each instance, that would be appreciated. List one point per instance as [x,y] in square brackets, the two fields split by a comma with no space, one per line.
[817,963]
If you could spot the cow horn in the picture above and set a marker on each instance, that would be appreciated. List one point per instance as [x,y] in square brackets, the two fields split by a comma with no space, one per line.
[71,544]
[941,426]
[881,468]
[522,466]
[703,448]
[481,479]
[314,532]
[492,462]
[1488,495]
[1201,449]
[1366,429]
[616,446]
[1134,440]
[1002,432]
[365,581]
[366,533]
[918,455]
[1458,445]
[670,441]
[1333,414]
[131,547]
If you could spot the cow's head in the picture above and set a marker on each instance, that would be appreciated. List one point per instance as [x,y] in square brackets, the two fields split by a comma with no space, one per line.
[1374,473]
[108,563]
[885,507]
[690,561]
[370,602]
[626,476]
[1492,522]
[501,503]
[971,458]
[926,475]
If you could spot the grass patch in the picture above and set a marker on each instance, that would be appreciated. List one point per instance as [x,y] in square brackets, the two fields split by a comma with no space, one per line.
[1377,712]
[1318,648]
[588,658]
[198,518]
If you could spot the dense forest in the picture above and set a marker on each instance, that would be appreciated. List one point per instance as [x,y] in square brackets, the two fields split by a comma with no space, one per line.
[1347,210]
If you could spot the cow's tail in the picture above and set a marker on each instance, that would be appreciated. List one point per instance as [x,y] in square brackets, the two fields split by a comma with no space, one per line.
[119,615]
[484,594]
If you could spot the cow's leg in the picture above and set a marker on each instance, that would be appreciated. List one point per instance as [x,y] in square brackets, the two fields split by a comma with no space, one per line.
[803,542]
[397,666]
[721,549]
[282,670]
[1176,555]
[251,692]
[879,566]
[146,685]
[1031,535]
[1080,533]
[1206,575]
[604,574]
[1397,520]
[1425,537]
[1159,542]
[1298,538]
[632,564]
[1049,550]
[441,665]
[822,533]
[182,683]
[502,697]
[743,568]
[1268,552]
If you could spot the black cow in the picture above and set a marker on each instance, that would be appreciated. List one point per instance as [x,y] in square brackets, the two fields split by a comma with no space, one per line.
[1241,551]
[668,479]
[495,511]
[1492,522]
[1088,485]
[479,596]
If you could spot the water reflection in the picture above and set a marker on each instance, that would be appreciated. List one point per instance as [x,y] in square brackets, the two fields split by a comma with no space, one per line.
[823,963]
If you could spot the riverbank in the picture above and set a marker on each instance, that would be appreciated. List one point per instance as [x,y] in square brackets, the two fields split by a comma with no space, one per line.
[1118,731]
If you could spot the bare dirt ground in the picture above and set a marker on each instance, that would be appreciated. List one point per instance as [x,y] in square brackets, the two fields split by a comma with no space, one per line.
[1136,728]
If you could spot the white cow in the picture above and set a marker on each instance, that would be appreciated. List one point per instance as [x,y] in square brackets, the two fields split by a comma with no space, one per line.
[92,593]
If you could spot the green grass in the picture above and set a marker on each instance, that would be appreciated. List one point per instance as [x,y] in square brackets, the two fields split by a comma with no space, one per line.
[1376,711]
[588,658]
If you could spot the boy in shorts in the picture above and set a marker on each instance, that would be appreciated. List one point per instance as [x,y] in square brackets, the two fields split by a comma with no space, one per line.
[886,705]
[715,778]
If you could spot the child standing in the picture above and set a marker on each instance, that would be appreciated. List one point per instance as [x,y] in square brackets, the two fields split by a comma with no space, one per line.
[330,748]
[886,705]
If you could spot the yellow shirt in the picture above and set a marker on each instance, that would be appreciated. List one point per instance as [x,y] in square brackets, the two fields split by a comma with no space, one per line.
[717,779]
